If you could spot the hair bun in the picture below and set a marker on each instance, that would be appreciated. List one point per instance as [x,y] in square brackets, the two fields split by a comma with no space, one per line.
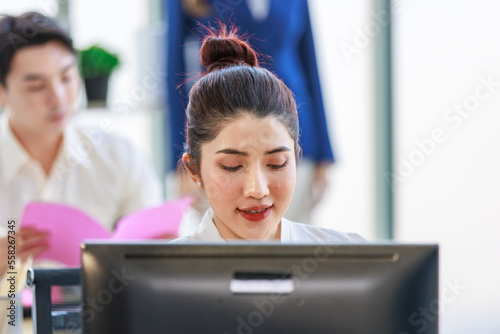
[225,48]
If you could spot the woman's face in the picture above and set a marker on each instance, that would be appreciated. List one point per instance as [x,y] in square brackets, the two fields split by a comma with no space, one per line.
[248,175]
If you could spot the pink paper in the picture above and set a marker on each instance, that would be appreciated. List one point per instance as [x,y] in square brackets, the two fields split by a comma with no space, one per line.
[152,223]
[27,297]
[68,228]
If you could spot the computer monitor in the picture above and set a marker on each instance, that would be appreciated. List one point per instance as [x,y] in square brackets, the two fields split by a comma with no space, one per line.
[259,288]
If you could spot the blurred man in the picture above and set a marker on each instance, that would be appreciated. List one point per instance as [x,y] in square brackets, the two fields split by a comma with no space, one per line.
[43,155]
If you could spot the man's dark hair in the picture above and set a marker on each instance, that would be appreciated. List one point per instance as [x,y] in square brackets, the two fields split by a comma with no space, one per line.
[28,29]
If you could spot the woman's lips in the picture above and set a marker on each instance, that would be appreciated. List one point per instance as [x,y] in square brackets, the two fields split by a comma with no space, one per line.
[57,117]
[255,213]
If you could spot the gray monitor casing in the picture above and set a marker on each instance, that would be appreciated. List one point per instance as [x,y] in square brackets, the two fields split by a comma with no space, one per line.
[250,288]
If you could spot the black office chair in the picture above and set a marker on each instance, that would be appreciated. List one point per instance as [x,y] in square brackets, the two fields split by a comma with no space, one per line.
[57,300]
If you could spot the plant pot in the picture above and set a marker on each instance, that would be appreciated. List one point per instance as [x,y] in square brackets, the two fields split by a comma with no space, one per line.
[97,89]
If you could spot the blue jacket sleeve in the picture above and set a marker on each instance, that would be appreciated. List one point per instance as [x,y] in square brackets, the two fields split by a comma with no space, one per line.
[176,95]
[308,59]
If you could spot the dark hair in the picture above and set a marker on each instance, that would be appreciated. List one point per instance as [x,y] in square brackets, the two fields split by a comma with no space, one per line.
[232,86]
[28,29]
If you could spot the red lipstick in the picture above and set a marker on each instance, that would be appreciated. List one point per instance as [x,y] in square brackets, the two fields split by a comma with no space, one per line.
[255,213]
[57,117]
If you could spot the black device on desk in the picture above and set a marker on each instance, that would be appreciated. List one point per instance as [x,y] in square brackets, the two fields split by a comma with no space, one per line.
[258,288]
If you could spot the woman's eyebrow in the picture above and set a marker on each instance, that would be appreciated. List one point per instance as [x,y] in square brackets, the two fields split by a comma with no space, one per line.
[245,154]
[278,150]
[232,151]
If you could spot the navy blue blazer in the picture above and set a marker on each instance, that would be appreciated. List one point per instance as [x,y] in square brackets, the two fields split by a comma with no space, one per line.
[285,35]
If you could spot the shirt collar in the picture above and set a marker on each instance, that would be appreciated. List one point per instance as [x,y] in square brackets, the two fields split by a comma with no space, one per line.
[285,231]
[74,150]
[12,153]
[207,231]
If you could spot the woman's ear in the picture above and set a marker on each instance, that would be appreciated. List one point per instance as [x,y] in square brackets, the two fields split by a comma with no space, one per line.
[2,95]
[190,168]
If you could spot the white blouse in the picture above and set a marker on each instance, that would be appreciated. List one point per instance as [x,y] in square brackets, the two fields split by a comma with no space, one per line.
[291,232]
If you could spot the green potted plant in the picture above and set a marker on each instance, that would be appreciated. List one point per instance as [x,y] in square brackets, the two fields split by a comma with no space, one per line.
[97,64]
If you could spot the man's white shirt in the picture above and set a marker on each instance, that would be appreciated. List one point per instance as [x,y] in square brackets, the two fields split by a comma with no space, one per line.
[97,172]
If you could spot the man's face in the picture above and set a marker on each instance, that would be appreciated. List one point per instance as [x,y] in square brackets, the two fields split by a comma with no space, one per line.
[41,89]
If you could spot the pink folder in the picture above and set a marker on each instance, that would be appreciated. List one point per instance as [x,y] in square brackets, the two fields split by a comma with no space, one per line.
[69,227]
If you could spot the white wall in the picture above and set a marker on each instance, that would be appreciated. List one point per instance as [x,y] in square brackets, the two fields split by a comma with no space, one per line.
[347,90]
[449,189]
[447,192]
[19,7]
[97,21]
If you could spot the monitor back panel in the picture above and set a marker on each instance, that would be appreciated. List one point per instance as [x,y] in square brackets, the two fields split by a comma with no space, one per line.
[226,289]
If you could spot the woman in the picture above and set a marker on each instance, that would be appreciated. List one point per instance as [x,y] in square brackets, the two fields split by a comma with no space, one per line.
[242,147]
[281,30]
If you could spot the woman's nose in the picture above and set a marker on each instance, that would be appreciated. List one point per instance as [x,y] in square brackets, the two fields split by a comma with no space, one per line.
[256,184]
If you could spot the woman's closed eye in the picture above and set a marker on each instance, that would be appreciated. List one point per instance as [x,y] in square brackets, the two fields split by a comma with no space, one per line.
[233,168]
[230,168]
[274,166]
